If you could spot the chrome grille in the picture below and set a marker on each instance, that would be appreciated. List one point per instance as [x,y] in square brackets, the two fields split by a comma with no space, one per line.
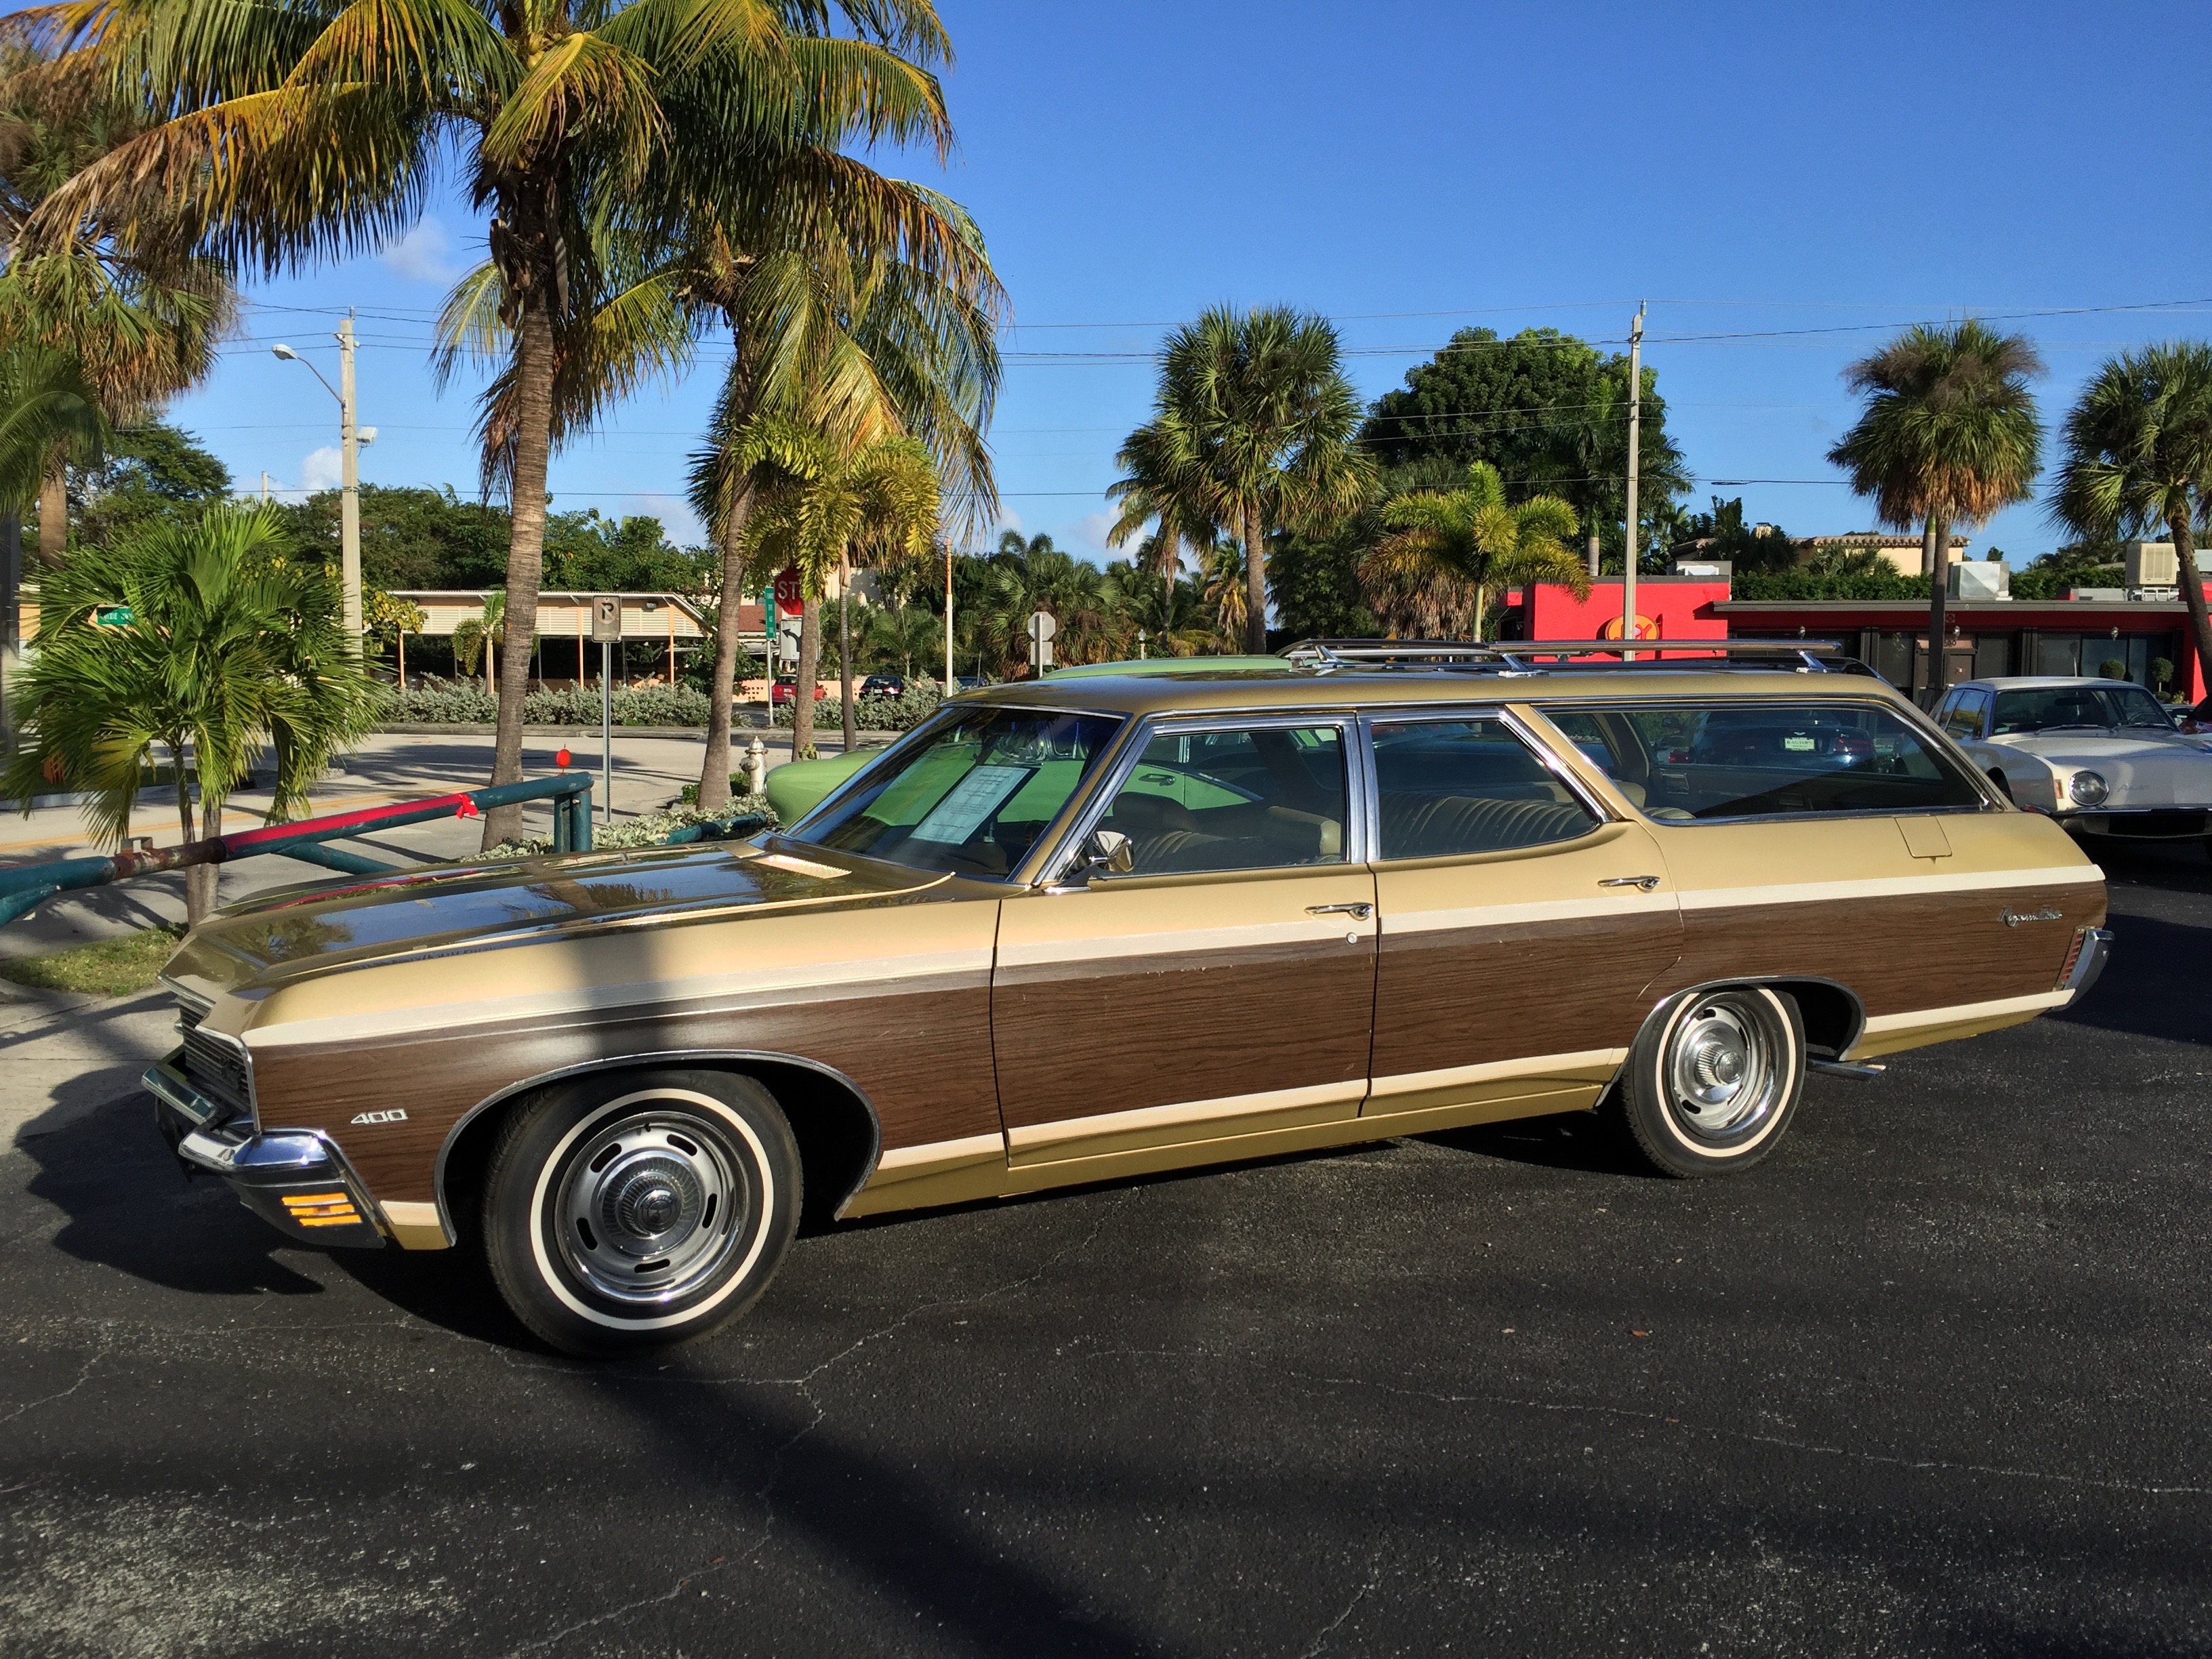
[217,1066]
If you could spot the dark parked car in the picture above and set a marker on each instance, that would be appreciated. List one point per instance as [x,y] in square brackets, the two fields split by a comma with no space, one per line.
[884,685]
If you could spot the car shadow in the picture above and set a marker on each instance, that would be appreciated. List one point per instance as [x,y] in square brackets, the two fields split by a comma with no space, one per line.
[2144,991]
[1588,1141]
[128,1205]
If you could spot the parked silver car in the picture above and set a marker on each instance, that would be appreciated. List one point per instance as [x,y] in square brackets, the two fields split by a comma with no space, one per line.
[2102,756]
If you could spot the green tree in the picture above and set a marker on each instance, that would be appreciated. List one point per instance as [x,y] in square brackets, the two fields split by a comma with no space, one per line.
[1026,576]
[410,538]
[1227,591]
[473,637]
[1164,485]
[825,503]
[45,405]
[1471,542]
[1949,434]
[151,472]
[586,553]
[1721,533]
[1254,408]
[1550,412]
[584,129]
[230,644]
[2139,461]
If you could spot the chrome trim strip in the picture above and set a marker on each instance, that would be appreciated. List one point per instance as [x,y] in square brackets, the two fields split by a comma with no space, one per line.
[1818,892]
[1495,1071]
[667,1057]
[2088,963]
[1914,1019]
[170,1086]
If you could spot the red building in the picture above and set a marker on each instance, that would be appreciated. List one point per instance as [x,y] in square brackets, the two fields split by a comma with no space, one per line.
[1986,637]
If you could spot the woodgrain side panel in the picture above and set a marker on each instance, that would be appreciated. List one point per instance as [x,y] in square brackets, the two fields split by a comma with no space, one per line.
[1125,998]
[920,1051]
[1900,952]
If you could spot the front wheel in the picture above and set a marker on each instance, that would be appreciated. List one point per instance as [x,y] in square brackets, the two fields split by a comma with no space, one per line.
[632,1210]
[1713,1079]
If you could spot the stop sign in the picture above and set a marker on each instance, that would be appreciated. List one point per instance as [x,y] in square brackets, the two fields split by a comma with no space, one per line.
[788,599]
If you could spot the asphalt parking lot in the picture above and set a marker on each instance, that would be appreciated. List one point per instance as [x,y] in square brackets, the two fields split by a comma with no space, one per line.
[1937,1378]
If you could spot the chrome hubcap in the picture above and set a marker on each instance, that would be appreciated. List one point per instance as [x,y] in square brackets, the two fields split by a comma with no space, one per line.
[1723,1073]
[650,1206]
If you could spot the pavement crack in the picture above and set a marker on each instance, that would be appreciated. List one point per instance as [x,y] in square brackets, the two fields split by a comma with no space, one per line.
[1888,1460]
[1366,1584]
[83,1375]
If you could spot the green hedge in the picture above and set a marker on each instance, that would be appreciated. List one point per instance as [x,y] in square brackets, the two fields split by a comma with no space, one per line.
[465,702]
[898,714]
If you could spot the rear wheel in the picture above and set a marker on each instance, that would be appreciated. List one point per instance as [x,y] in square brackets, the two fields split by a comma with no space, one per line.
[1713,1079]
[632,1210]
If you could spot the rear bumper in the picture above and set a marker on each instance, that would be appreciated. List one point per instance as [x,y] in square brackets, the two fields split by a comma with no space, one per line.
[293,1179]
[2093,948]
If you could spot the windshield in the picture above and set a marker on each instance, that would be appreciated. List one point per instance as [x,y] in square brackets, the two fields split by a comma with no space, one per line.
[2051,707]
[969,794]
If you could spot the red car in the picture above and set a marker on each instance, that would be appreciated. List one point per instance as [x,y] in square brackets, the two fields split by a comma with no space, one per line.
[784,691]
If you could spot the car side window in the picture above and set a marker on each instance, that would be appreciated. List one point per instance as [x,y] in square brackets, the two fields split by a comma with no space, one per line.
[1235,797]
[1961,714]
[1758,759]
[1455,786]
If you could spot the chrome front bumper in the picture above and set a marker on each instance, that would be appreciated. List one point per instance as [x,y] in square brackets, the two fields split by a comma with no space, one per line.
[2093,948]
[293,1179]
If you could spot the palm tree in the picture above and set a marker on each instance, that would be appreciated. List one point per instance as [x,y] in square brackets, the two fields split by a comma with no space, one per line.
[1227,592]
[1025,577]
[882,499]
[1256,411]
[1950,435]
[2139,461]
[1476,542]
[1173,619]
[139,312]
[473,635]
[287,136]
[229,644]
[862,346]
[1161,486]
[46,406]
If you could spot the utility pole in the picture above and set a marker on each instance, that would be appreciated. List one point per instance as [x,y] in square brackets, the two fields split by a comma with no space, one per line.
[349,496]
[1634,422]
[265,486]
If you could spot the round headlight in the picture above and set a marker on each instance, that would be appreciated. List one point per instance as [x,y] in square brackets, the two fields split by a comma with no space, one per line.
[2087,788]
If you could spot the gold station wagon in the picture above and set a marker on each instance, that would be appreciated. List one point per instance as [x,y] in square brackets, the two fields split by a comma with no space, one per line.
[1073,930]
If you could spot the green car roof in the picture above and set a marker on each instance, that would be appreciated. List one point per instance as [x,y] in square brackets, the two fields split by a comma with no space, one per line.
[1169,665]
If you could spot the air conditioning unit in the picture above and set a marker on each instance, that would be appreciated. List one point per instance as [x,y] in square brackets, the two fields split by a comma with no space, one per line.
[1981,579]
[2153,564]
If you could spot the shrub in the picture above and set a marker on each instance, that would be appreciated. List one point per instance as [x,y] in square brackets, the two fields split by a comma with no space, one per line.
[647,829]
[900,713]
[462,703]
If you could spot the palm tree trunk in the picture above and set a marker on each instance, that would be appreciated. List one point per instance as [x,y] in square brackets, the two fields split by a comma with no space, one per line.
[1938,546]
[809,662]
[197,905]
[845,645]
[53,512]
[525,554]
[201,880]
[1481,595]
[1170,558]
[1255,586]
[714,770]
[2192,592]
[11,581]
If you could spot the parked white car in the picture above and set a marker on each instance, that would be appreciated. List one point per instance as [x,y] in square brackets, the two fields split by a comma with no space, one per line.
[2102,756]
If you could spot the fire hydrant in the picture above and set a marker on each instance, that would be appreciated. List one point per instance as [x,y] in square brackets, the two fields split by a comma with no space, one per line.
[757,766]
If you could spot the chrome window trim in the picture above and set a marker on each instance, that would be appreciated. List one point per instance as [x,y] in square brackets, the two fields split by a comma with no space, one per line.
[945,711]
[1052,871]
[1601,813]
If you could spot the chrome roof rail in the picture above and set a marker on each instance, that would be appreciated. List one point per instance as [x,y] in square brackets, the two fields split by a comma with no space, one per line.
[1544,656]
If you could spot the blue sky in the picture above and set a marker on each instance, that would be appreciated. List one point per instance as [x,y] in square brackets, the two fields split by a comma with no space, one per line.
[1784,184]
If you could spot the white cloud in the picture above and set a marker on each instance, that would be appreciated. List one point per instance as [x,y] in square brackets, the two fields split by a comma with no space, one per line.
[323,468]
[420,255]
[677,519]
[1090,530]
[1008,519]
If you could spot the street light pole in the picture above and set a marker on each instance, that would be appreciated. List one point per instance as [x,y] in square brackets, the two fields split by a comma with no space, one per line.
[350,439]
[1635,412]
[350,494]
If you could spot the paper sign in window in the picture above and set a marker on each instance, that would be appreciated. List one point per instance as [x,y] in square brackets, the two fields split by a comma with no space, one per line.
[971,801]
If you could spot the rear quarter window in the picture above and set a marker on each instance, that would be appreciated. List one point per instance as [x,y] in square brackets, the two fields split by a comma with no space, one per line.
[1693,764]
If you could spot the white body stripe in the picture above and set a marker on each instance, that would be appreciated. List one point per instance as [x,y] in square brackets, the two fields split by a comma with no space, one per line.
[1451,1076]
[1914,1019]
[1816,892]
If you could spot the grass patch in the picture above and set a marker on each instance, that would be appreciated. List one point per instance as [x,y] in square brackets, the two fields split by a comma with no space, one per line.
[106,968]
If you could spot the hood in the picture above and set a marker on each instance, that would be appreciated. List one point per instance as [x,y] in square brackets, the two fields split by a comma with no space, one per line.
[2150,770]
[329,924]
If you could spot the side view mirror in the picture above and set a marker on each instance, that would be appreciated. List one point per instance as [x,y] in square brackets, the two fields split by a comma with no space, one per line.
[1109,850]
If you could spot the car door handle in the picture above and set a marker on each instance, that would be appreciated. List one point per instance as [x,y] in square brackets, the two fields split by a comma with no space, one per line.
[1647,883]
[1358,912]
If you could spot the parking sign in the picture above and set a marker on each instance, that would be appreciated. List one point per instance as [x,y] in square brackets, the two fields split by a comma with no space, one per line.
[606,619]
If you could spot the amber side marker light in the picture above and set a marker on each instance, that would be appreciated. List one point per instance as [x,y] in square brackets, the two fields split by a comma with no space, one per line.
[322,1209]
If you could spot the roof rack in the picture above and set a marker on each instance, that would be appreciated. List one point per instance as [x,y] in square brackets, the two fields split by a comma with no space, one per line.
[1541,656]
